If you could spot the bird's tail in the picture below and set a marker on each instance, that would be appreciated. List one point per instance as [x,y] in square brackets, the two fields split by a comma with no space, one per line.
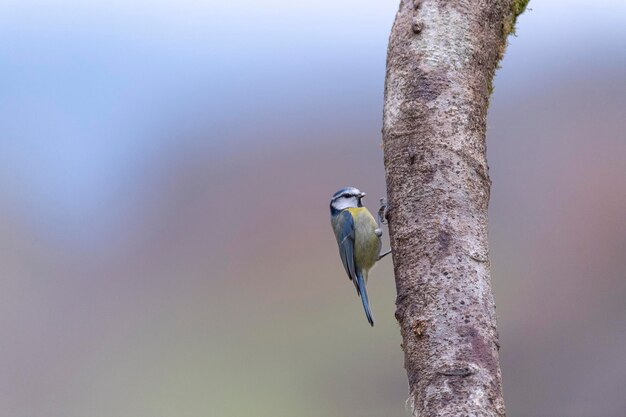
[363,293]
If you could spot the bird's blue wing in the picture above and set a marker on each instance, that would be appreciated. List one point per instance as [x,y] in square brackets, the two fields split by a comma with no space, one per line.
[345,238]
[346,244]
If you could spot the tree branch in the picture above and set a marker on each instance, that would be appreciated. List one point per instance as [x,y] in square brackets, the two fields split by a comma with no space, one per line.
[440,65]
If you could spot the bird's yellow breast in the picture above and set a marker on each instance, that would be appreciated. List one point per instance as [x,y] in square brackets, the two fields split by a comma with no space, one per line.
[366,241]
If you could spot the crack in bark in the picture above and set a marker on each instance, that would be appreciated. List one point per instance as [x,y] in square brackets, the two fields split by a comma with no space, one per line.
[462,372]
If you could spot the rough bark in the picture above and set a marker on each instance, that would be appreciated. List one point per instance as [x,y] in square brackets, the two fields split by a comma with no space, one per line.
[441,60]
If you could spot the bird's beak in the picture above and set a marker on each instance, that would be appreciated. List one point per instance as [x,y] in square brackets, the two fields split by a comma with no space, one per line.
[362,195]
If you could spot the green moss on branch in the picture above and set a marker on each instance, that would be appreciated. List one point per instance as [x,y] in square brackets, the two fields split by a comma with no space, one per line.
[508,28]
[517,8]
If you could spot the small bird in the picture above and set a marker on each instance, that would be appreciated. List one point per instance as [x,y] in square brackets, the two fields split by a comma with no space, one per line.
[358,236]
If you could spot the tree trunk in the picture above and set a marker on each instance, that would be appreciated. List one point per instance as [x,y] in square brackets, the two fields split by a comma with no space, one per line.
[440,65]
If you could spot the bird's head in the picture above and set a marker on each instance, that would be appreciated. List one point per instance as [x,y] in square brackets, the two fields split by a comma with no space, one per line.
[345,198]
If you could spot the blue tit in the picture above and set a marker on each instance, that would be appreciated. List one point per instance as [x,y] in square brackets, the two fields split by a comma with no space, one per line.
[358,236]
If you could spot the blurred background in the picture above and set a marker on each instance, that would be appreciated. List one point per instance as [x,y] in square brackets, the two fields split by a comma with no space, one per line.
[165,246]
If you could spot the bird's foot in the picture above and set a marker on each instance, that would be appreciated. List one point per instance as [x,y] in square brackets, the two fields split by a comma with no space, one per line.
[383,211]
